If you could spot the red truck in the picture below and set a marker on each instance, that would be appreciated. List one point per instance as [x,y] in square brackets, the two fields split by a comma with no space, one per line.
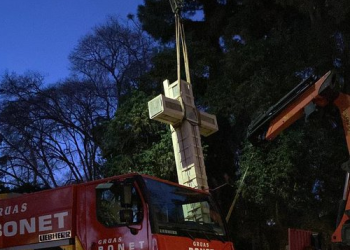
[127,212]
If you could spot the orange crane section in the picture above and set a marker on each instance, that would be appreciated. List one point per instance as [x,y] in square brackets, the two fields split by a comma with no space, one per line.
[302,101]
[295,110]
[343,104]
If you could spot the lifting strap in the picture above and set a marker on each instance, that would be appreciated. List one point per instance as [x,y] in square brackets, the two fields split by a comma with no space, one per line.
[180,41]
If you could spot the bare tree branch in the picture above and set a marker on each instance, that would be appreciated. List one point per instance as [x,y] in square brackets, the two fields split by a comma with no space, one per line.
[48,133]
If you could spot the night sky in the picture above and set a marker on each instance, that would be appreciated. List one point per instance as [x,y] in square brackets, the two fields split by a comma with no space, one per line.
[38,35]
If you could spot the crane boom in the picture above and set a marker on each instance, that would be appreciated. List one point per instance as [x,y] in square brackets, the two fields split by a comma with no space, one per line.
[302,101]
[298,102]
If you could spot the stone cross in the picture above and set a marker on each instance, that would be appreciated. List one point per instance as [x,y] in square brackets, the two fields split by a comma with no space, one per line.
[187,123]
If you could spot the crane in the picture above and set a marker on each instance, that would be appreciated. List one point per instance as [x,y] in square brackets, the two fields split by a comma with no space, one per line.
[303,100]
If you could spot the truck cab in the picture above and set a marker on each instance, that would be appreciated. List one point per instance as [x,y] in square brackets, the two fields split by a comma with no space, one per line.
[127,212]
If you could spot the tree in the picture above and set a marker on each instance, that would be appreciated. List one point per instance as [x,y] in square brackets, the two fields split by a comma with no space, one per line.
[295,179]
[121,53]
[134,143]
[58,131]
[114,52]
[49,133]
[246,56]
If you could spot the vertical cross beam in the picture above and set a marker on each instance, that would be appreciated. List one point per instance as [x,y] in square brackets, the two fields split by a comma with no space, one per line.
[186,138]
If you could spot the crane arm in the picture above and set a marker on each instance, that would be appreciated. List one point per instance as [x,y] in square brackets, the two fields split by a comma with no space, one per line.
[301,101]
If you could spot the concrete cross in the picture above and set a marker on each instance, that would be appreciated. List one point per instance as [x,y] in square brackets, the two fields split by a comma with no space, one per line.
[177,109]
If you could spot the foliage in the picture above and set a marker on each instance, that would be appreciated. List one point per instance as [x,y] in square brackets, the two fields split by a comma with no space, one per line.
[134,143]
[244,56]
[298,174]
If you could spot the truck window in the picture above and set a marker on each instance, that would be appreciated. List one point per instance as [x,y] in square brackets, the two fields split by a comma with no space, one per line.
[111,210]
[174,211]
